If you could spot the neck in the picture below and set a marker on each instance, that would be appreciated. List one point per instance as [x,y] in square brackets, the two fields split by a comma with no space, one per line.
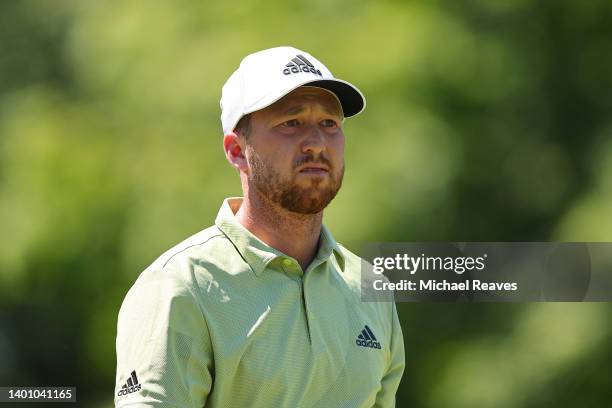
[296,235]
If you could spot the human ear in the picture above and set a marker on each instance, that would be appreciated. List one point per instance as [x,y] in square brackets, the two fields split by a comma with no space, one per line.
[234,151]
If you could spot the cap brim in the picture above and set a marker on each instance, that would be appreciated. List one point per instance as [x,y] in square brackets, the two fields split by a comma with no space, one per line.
[351,98]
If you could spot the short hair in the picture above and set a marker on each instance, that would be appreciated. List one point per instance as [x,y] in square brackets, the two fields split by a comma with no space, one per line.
[243,127]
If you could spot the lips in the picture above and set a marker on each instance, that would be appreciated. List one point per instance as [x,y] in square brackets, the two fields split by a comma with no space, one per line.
[314,169]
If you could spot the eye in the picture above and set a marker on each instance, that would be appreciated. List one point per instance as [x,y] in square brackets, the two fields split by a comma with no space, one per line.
[291,123]
[329,123]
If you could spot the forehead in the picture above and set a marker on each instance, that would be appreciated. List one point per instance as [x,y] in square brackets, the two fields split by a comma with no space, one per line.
[304,95]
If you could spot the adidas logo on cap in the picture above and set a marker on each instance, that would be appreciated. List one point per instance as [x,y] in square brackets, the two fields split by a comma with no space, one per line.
[300,64]
[367,339]
[130,386]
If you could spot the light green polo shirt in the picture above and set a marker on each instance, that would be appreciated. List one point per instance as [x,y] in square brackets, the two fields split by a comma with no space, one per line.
[224,320]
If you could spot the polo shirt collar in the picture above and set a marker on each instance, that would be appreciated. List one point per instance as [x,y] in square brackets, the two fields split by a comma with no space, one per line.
[257,253]
[327,246]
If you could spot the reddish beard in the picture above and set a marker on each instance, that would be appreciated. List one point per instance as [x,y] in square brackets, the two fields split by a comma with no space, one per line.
[286,192]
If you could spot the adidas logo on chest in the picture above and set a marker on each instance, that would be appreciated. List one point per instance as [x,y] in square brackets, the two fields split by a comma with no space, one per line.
[300,64]
[367,339]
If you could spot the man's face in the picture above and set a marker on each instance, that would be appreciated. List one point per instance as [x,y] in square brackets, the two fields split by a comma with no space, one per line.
[295,150]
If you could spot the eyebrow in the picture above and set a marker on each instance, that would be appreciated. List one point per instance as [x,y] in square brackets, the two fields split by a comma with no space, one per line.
[294,110]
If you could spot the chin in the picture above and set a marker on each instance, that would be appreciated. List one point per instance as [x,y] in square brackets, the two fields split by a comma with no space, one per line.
[311,208]
[307,202]
[316,202]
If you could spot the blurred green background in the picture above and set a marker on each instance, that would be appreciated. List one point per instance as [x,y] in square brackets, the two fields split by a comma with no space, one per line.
[487,120]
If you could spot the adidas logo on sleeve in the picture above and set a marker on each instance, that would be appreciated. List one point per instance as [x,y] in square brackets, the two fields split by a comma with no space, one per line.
[300,64]
[367,339]
[130,386]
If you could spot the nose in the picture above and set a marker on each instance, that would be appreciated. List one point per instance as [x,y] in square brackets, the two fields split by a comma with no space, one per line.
[314,142]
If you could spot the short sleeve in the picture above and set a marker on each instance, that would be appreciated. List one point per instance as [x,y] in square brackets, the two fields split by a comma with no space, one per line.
[391,380]
[164,357]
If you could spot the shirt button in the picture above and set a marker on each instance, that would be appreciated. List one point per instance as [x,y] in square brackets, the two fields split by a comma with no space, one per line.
[287,262]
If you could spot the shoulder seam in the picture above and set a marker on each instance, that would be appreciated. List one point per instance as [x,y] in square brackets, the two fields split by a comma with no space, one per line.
[220,234]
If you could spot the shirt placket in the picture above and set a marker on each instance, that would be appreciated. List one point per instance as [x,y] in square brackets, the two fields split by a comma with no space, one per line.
[313,304]
[307,298]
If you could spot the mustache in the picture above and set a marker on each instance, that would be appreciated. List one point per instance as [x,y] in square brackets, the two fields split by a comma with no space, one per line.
[311,159]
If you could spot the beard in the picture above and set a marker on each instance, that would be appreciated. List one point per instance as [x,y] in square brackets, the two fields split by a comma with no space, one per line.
[286,192]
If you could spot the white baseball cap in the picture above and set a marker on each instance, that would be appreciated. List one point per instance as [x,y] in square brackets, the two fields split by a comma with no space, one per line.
[266,76]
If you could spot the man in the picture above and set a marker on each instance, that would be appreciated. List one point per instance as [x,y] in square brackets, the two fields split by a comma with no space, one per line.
[263,309]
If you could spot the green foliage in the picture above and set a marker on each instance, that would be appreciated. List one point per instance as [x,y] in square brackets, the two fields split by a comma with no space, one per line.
[486,120]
